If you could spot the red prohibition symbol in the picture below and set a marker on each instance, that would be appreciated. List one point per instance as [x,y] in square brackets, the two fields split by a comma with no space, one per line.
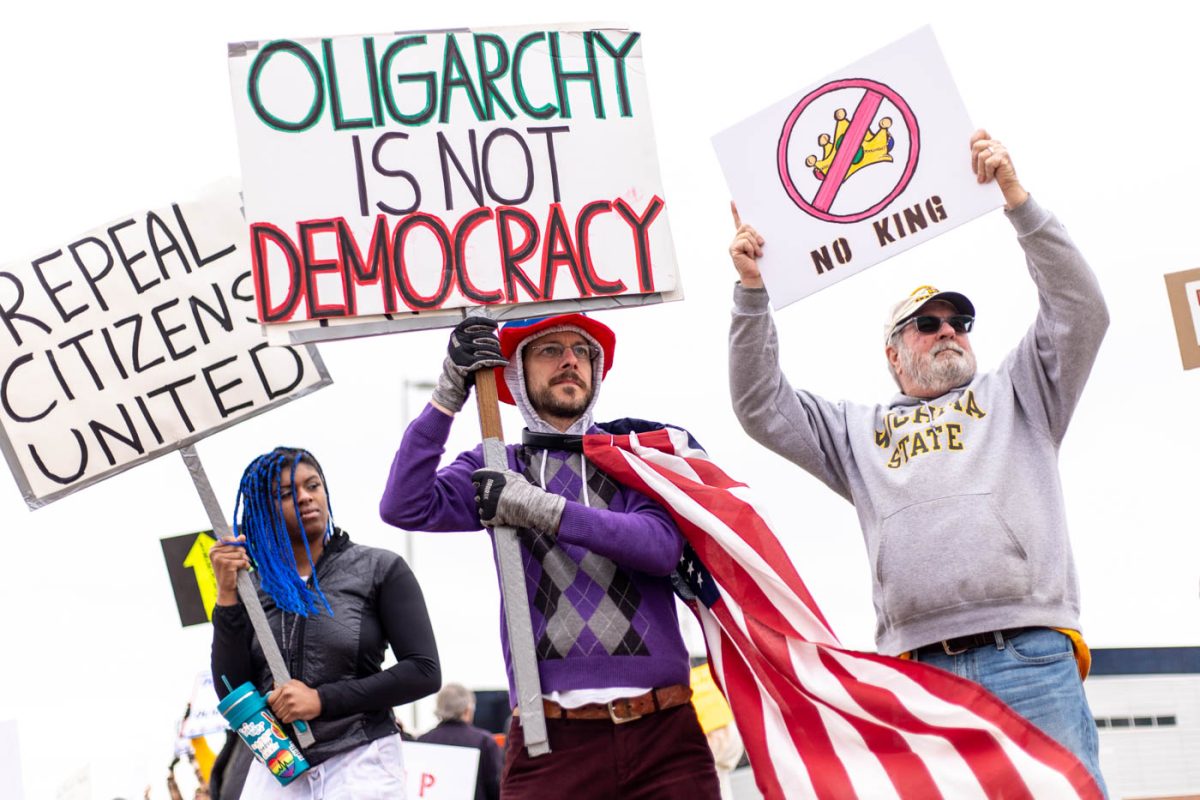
[848,148]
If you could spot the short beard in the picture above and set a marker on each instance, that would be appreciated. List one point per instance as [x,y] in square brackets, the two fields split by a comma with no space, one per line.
[546,403]
[935,376]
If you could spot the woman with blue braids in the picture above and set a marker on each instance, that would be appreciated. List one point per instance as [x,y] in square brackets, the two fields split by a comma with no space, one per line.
[334,608]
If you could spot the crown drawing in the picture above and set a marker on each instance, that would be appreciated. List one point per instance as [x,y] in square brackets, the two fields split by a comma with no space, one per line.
[876,147]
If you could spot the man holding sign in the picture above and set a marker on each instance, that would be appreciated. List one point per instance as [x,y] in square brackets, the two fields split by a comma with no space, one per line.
[598,556]
[955,479]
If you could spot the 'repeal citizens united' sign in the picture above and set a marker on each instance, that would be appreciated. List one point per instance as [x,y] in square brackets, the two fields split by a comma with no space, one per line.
[134,339]
[410,173]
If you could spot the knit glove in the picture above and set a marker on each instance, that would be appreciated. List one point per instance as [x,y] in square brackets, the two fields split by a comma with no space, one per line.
[473,346]
[504,497]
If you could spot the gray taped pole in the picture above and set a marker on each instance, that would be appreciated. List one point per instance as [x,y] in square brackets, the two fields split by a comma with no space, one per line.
[246,591]
[516,618]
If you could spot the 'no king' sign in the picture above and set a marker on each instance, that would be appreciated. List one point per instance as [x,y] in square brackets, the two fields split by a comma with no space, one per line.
[132,340]
[408,173]
[855,169]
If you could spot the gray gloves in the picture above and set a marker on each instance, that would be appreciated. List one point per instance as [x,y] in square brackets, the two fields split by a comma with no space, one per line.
[473,346]
[504,497]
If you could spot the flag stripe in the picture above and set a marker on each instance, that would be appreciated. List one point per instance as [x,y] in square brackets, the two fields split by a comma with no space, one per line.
[820,721]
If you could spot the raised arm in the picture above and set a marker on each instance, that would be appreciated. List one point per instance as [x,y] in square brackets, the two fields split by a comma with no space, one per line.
[799,426]
[1050,366]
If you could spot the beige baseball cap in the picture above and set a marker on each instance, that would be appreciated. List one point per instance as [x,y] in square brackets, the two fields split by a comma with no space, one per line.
[919,297]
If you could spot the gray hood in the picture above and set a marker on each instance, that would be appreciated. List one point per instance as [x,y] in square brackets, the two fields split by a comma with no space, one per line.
[514,376]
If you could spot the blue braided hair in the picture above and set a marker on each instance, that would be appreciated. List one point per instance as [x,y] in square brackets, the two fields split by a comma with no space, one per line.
[257,515]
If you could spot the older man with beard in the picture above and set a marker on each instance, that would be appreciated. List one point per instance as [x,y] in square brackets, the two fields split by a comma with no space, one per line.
[955,480]
[614,670]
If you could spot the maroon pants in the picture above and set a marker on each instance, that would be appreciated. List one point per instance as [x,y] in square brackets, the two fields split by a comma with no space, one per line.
[663,756]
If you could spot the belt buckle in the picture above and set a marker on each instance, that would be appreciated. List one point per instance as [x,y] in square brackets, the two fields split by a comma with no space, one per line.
[612,712]
[946,647]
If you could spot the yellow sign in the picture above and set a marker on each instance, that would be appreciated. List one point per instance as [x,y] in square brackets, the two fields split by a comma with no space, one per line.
[191,574]
[206,580]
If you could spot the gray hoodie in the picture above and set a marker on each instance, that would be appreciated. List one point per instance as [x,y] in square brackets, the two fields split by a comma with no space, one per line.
[959,496]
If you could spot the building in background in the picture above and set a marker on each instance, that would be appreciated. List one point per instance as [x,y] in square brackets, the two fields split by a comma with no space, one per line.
[1146,701]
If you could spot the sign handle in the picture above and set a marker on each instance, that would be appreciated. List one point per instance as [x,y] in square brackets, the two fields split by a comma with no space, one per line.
[246,591]
[512,580]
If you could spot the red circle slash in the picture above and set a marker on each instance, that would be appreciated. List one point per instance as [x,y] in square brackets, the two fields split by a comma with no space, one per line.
[873,97]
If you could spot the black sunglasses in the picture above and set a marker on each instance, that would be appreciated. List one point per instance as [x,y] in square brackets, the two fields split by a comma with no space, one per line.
[961,323]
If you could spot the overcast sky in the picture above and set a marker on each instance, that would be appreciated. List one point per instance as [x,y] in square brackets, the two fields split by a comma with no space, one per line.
[113,108]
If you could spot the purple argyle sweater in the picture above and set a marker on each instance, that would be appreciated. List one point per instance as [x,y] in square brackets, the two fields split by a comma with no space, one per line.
[600,595]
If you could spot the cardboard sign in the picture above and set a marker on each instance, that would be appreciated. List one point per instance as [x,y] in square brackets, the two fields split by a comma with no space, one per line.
[192,579]
[394,175]
[440,772]
[857,168]
[132,340]
[1183,292]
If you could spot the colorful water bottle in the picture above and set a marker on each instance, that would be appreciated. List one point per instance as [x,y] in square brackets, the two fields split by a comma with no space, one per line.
[247,713]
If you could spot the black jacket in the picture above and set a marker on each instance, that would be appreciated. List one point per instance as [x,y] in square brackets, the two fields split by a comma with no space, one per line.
[376,602]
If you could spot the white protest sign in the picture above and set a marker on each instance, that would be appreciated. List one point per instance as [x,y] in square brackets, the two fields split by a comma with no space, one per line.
[440,772]
[132,340]
[203,717]
[857,168]
[409,174]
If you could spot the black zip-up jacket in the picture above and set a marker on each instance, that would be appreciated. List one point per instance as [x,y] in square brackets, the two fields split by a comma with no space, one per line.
[376,602]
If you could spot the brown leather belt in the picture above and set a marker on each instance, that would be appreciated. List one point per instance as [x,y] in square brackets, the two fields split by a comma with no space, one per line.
[624,709]
[961,644]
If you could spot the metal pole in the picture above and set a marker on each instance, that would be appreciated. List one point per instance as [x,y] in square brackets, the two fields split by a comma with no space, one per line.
[512,580]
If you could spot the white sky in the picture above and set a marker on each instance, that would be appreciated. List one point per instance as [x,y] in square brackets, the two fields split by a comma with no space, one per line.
[117,107]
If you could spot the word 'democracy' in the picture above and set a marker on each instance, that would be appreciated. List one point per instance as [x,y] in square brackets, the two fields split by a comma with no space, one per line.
[132,340]
[404,173]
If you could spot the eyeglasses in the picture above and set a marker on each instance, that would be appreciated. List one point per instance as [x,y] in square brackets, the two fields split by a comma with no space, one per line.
[553,351]
[927,324]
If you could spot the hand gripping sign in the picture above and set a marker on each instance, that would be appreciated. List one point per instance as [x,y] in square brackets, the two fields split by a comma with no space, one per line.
[864,165]
[392,178]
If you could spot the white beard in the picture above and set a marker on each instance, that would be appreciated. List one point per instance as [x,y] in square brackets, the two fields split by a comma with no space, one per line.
[935,376]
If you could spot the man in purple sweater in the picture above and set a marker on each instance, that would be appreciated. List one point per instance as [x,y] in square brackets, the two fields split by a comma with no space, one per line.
[598,559]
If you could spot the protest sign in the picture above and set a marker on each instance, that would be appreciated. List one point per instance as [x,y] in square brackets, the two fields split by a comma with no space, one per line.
[857,168]
[390,179]
[132,340]
[192,578]
[202,718]
[1183,292]
[440,772]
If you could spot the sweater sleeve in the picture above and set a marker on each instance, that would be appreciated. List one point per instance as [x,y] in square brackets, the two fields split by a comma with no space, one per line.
[642,537]
[800,426]
[416,673]
[232,655]
[1051,364]
[420,497]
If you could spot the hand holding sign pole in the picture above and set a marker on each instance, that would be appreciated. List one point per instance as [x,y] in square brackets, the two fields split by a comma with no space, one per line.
[512,579]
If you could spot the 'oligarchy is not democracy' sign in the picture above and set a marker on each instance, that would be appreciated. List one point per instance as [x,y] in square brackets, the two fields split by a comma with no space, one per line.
[401,173]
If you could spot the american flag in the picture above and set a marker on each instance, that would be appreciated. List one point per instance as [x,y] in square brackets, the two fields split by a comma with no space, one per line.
[818,720]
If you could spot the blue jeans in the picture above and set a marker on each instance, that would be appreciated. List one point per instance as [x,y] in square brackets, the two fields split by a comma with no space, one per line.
[1035,673]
